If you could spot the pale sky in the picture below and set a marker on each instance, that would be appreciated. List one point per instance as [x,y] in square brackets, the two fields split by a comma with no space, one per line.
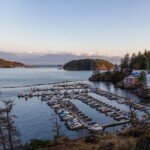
[107,27]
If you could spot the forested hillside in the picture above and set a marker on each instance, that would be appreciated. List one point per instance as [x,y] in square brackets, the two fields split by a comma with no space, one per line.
[141,61]
[88,64]
[10,64]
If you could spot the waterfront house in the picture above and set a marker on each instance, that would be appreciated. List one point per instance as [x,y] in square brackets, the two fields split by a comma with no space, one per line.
[129,81]
[147,82]
[137,73]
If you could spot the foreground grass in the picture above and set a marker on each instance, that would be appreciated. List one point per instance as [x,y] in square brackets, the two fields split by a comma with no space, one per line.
[131,139]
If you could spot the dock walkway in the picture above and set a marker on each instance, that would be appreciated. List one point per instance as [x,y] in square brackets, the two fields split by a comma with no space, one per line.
[115,124]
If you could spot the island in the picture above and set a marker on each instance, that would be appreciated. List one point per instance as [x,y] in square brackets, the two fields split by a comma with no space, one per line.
[88,64]
[10,64]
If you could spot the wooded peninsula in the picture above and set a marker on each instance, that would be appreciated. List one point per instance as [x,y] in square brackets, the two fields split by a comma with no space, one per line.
[10,64]
[88,64]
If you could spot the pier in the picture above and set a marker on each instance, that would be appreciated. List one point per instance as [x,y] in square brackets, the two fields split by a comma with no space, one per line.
[84,123]
[59,96]
[115,124]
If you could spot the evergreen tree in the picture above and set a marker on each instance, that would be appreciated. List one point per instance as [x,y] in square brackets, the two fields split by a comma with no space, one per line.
[133,57]
[125,62]
[147,59]
[142,77]
[10,136]
[138,62]
[2,130]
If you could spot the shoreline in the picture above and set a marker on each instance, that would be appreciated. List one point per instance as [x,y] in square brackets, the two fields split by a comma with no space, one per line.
[138,88]
[40,84]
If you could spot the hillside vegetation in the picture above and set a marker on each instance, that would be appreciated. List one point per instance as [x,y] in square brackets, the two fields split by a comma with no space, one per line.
[10,64]
[88,64]
[137,138]
[141,61]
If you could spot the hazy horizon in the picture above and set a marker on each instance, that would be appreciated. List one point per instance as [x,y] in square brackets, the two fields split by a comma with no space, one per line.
[97,27]
[53,58]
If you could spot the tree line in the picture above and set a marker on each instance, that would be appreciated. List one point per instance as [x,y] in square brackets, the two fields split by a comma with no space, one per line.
[141,61]
[88,64]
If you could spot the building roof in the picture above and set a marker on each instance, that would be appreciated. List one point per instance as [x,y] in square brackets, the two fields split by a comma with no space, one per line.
[138,71]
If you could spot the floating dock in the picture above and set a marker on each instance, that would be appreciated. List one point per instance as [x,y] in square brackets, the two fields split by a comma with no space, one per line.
[62,93]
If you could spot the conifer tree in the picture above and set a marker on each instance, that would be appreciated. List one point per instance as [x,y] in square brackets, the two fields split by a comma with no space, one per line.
[10,136]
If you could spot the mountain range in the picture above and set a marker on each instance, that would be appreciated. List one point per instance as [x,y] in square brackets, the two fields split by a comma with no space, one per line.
[52,58]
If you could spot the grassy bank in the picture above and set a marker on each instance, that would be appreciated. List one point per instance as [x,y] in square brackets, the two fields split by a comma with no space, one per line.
[137,138]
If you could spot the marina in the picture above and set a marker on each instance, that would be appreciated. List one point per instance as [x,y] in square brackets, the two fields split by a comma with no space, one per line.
[62,96]
[36,114]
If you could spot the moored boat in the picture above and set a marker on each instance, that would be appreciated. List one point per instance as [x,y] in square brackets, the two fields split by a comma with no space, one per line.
[95,127]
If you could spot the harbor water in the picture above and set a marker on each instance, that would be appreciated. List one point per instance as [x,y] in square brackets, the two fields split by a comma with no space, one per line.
[34,116]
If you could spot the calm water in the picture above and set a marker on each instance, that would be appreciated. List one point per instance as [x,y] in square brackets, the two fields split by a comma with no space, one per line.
[34,116]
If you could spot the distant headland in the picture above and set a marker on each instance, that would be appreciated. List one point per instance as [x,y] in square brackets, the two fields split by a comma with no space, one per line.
[88,64]
[10,64]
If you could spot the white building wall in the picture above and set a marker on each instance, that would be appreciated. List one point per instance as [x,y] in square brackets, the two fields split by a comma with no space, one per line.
[148,80]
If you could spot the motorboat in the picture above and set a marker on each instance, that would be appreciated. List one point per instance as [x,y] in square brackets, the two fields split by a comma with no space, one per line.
[76,125]
[95,127]
[26,97]
[71,121]
[67,117]
[56,106]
